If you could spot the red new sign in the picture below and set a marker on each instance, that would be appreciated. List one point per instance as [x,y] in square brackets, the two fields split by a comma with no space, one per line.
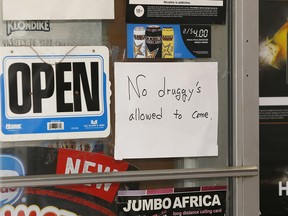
[71,161]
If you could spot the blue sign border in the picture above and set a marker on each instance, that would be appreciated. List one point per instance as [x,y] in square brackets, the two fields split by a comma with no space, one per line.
[39,125]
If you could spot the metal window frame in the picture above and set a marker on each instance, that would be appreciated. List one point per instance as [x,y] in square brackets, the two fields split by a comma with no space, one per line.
[128,176]
[246,103]
[245,140]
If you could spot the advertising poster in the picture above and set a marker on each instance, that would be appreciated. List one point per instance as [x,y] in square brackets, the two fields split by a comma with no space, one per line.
[54,93]
[273,107]
[176,11]
[88,199]
[168,41]
[171,29]
[272,62]
[202,201]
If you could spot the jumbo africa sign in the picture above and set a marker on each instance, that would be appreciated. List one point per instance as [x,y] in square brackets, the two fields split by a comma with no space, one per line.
[54,92]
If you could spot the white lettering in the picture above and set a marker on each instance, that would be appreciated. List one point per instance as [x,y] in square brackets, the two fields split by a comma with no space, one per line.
[194,201]
[13,126]
[128,207]
[205,202]
[70,168]
[167,203]
[147,204]
[157,204]
[200,201]
[283,188]
[100,170]
[13,26]
[185,200]
[88,164]
[216,201]
[177,203]
[88,167]
[136,208]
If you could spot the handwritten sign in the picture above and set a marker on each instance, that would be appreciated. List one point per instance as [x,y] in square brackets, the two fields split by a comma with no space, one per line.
[166,109]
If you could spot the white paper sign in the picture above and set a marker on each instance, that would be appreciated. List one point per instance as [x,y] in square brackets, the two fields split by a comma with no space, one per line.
[57,9]
[166,109]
